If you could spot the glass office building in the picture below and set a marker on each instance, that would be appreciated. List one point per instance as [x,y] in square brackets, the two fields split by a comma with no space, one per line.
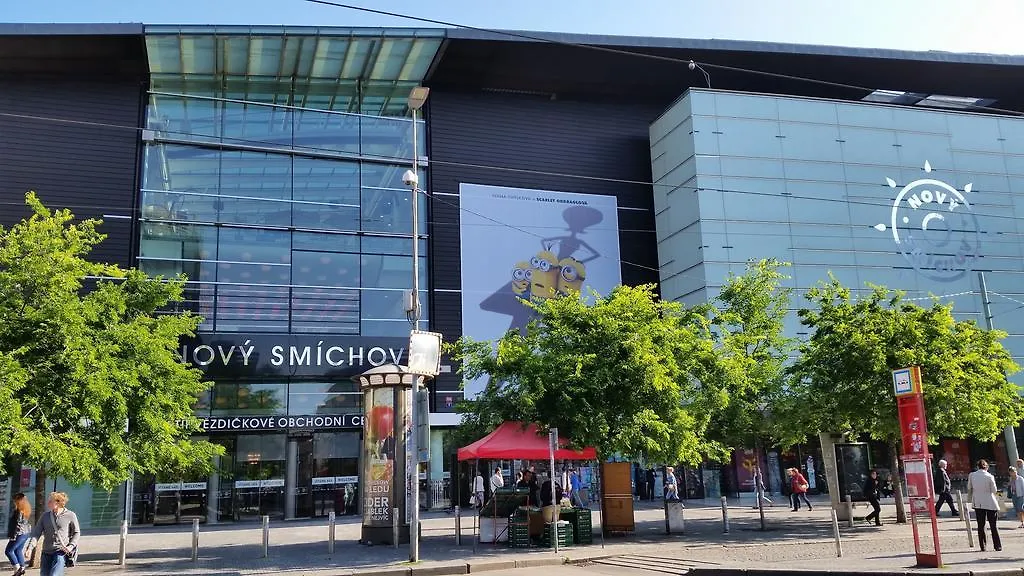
[272,178]
[914,199]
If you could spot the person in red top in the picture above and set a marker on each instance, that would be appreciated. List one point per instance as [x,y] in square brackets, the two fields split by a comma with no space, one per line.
[798,489]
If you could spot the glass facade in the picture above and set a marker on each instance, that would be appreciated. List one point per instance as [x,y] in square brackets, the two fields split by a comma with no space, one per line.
[272,180]
[917,200]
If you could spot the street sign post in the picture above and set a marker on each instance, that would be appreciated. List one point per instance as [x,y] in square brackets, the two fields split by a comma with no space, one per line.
[917,462]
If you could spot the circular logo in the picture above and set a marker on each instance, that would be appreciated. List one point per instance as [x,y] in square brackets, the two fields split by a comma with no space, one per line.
[935,229]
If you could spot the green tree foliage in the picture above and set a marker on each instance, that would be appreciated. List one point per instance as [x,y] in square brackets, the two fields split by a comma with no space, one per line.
[92,388]
[625,373]
[843,378]
[750,314]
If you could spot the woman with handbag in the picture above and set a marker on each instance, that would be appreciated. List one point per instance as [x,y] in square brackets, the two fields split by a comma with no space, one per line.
[60,530]
[19,529]
[798,489]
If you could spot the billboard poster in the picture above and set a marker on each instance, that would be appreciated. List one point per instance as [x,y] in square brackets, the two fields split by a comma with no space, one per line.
[530,244]
[379,456]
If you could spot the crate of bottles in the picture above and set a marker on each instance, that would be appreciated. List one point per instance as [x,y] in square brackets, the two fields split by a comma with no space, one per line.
[583,527]
[565,532]
[518,533]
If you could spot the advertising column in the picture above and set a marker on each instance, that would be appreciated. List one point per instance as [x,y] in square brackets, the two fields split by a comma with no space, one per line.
[917,462]
[384,474]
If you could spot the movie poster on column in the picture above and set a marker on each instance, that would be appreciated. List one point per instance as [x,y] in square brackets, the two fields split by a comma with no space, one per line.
[530,244]
[379,450]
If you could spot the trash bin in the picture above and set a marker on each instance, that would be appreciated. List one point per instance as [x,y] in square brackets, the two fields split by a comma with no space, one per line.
[674,517]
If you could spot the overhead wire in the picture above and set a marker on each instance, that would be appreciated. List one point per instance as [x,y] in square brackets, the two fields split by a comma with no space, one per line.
[694,188]
[624,52]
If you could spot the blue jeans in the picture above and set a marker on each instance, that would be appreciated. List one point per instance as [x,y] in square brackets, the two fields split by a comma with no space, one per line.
[16,550]
[52,564]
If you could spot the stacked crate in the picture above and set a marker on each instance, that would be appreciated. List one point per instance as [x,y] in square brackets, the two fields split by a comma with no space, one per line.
[582,526]
[519,531]
[565,532]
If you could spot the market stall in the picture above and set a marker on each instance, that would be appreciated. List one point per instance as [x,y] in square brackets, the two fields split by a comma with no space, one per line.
[509,515]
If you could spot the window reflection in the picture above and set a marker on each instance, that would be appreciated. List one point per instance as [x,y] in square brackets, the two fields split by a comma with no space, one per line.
[249,398]
[323,398]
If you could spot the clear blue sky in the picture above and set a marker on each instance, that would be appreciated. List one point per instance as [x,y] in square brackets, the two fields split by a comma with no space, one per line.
[951,25]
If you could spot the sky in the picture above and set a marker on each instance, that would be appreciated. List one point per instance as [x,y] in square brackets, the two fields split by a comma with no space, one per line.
[949,25]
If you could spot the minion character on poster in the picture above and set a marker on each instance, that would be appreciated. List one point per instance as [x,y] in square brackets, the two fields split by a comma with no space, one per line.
[521,245]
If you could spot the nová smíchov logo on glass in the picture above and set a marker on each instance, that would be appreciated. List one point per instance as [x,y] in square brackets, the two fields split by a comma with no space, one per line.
[934,228]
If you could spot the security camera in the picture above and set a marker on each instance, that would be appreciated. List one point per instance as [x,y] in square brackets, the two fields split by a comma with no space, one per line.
[410,178]
[692,65]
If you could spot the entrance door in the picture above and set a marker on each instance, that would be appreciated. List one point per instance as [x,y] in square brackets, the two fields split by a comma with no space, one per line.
[329,473]
[259,477]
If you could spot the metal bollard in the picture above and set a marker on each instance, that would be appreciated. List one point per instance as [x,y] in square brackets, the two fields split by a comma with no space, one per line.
[725,515]
[458,526]
[849,511]
[394,526]
[195,539]
[122,548]
[960,503]
[835,531]
[330,532]
[266,536]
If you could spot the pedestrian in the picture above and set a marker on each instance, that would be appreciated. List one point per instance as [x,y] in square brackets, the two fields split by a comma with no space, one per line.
[871,493]
[1016,491]
[497,480]
[671,485]
[759,489]
[981,490]
[1020,467]
[944,493]
[19,529]
[59,530]
[478,490]
[651,477]
[574,488]
[641,482]
[798,489]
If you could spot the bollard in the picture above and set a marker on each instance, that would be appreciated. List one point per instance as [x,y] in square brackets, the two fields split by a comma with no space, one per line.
[394,526]
[122,548]
[960,503]
[195,539]
[266,536]
[476,531]
[330,532]
[458,526]
[849,511]
[835,530]
[725,515]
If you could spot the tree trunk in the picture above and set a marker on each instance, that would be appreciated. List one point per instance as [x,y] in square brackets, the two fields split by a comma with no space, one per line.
[897,484]
[40,507]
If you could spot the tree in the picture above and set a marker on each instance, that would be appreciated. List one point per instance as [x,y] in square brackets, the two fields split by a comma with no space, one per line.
[750,313]
[93,389]
[626,373]
[844,376]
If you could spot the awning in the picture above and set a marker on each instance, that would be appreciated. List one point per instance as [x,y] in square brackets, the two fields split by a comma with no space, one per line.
[515,440]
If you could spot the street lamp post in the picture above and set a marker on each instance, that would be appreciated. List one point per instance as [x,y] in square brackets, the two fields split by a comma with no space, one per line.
[417,98]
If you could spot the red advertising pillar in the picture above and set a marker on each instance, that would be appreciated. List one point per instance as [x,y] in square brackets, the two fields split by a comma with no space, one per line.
[917,463]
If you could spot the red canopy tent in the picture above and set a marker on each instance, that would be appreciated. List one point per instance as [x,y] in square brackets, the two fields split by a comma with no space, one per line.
[514,440]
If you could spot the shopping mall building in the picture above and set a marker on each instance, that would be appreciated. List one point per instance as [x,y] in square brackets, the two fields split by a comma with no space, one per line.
[266,164]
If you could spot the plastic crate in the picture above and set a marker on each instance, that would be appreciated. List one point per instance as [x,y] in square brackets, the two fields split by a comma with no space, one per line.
[565,534]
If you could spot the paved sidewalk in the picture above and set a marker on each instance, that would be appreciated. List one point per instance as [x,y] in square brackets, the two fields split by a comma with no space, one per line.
[794,541]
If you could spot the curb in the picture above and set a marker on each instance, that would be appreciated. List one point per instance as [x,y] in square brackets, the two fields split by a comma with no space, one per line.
[483,566]
[712,571]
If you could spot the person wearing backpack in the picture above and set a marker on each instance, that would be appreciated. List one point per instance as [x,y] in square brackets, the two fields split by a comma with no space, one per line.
[59,530]
[18,531]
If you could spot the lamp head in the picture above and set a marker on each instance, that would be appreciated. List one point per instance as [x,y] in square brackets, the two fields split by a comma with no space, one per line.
[418,97]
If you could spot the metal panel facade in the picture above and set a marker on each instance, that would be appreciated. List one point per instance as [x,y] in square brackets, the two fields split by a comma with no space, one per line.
[531,142]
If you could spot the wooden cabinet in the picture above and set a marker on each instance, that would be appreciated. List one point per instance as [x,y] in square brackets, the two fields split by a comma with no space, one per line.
[617,497]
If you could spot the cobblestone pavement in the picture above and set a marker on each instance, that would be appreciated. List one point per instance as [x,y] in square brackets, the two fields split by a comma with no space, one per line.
[794,540]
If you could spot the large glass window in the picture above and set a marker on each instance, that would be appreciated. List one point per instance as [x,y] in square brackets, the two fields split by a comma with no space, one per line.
[306,398]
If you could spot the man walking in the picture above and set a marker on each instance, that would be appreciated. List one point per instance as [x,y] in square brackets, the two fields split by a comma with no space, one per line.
[944,495]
